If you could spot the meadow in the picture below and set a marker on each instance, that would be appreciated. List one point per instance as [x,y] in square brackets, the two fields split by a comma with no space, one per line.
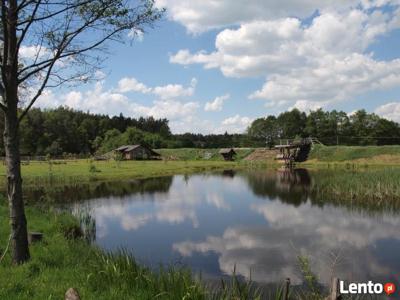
[379,155]
[196,154]
[85,170]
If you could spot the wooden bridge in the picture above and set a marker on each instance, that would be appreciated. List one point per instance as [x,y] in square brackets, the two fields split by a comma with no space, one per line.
[295,150]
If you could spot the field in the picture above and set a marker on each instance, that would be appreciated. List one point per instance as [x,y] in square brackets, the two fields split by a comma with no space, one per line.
[385,155]
[377,155]
[201,154]
[83,170]
[191,160]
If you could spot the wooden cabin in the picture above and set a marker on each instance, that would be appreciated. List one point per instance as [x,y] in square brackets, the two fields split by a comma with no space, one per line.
[228,153]
[137,152]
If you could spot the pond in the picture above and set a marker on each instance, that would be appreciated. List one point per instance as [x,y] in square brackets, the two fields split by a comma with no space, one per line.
[253,221]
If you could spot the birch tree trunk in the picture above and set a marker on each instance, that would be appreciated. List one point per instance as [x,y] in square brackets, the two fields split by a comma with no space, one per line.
[19,234]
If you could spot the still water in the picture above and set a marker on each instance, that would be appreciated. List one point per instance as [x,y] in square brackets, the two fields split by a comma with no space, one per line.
[257,221]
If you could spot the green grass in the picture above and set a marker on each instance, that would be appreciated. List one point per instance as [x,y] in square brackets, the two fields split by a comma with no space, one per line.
[365,154]
[84,170]
[201,154]
[369,188]
[379,155]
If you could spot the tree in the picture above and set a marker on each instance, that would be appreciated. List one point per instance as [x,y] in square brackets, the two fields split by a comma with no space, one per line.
[292,123]
[68,39]
[133,136]
[264,129]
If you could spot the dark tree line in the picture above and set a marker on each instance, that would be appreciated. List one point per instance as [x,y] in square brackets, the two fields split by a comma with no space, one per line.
[330,127]
[63,130]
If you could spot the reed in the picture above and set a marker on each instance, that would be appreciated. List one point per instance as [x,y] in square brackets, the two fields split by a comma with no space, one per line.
[368,188]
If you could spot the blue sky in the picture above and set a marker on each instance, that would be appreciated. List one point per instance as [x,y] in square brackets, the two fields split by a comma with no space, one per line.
[247,60]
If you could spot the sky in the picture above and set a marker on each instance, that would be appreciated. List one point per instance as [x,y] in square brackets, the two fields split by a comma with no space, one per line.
[212,66]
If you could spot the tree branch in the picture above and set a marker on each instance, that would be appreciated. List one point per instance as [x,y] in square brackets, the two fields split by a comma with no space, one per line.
[102,21]
[55,13]
[38,93]
[25,30]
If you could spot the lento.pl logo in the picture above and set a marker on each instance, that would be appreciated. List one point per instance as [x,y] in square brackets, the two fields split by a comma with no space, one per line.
[369,288]
[389,288]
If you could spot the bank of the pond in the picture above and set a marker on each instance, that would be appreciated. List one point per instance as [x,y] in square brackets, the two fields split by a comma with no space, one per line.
[202,154]
[61,262]
[190,160]
[369,188]
[84,170]
[359,155]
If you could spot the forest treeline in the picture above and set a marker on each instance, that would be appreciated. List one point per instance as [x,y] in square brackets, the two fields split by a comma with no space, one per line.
[64,131]
[329,127]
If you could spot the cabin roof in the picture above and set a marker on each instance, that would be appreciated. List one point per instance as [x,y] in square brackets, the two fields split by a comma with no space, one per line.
[121,148]
[128,148]
[132,147]
[226,150]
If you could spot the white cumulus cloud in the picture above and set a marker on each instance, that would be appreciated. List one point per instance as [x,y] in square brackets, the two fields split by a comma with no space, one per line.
[175,90]
[169,91]
[132,85]
[235,124]
[201,15]
[326,60]
[389,111]
[217,103]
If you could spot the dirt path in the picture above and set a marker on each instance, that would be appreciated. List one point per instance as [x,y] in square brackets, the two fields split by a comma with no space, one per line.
[262,154]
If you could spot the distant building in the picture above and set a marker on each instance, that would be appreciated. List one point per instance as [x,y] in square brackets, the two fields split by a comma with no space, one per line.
[228,153]
[136,152]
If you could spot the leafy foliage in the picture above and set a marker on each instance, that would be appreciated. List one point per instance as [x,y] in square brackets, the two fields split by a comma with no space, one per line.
[330,127]
[64,130]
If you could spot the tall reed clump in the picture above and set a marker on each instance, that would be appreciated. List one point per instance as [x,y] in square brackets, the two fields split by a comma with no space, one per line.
[121,271]
[235,288]
[367,188]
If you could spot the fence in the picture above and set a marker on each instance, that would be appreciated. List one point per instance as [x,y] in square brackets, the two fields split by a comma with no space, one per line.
[27,159]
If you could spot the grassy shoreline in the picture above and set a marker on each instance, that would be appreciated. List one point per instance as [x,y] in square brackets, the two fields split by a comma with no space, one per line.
[61,261]
[86,170]
[192,161]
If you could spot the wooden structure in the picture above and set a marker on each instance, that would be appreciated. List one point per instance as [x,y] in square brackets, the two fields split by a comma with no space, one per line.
[228,153]
[34,237]
[294,151]
[334,293]
[136,152]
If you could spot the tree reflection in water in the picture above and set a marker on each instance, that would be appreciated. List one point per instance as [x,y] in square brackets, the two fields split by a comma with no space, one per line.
[73,193]
[287,185]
